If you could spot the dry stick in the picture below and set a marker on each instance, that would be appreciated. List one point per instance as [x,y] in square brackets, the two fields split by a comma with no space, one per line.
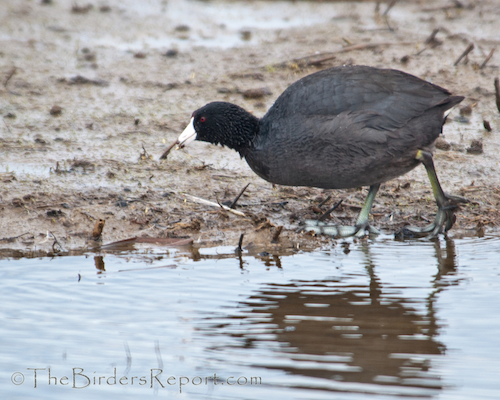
[277,234]
[497,93]
[487,58]
[233,204]
[466,51]
[324,215]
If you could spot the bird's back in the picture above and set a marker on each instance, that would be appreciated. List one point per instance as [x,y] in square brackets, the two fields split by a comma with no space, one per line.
[393,94]
[347,127]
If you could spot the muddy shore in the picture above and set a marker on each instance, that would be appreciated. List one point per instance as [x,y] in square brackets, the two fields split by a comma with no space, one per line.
[88,104]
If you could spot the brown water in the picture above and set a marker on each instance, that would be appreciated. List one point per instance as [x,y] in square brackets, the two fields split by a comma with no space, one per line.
[380,319]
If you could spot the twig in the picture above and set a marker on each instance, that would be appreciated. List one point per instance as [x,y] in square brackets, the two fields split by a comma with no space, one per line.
[324,201]
[61,247]
[497,93]
[487,58]
[239,249]
[469,48]
[443,8]
[432,37]
[212,204]
[219,203]
[88,215]
[389,6]
[145,155]
[324,215]
[386,12]
[277,234]
[331,55]
[233,204]
[127,132]
[430,42]
[165,153]
[11,239]
[10,74]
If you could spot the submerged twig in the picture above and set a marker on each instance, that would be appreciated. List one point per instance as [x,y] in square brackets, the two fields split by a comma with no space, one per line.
[324,215]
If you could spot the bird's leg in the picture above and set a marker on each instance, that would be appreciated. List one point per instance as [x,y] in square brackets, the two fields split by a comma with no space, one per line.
[343,231]
[445,217]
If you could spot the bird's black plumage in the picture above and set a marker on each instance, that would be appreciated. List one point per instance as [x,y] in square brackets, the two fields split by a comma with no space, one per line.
[342,127]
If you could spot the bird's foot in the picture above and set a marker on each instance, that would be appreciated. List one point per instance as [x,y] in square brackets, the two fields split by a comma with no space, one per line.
[319,227]
[445,218]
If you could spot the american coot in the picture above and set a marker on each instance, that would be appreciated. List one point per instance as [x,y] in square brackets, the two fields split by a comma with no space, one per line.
[339,128]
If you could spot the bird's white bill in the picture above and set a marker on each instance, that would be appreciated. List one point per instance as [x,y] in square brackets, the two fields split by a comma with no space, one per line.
[188,135]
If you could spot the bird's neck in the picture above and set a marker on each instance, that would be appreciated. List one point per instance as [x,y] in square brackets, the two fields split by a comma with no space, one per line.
[245,130]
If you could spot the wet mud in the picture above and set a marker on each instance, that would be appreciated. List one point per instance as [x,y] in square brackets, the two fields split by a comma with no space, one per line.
[92,94]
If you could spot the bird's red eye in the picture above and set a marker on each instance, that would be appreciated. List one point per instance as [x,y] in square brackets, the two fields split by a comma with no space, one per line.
[202,119]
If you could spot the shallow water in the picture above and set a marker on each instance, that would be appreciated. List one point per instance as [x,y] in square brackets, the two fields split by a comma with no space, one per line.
[377,319]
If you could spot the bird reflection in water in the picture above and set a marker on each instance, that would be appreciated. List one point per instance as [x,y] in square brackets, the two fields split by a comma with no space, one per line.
[347,334]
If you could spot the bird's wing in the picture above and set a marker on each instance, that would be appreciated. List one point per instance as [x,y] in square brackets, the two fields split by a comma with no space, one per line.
[395,96]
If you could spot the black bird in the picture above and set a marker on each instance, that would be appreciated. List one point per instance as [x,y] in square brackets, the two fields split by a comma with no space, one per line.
[343,127]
